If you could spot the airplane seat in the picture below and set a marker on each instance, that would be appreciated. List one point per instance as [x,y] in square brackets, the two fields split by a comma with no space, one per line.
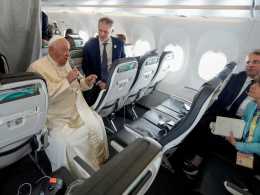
[166,60]
[79,42]
[129,50]
[147,67]
[170,138]
[45,51]
[76,56]
[132,171]
[4,68]
[174,108]
[23,110]
[182,106]
[120,78]
[228,178]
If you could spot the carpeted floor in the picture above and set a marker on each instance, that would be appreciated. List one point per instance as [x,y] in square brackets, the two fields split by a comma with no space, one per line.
[25,171]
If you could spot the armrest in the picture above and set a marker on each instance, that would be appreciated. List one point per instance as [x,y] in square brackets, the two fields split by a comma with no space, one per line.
[235,190]
[82,165]
[172,118]
[187,102]
[97,103]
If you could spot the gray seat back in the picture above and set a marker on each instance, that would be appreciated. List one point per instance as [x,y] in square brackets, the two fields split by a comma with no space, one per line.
[166,60]
[132,171]
[147,67]
[23,110]
[76,56]
[202,100]
[45,51]
[79,42]
[120,79]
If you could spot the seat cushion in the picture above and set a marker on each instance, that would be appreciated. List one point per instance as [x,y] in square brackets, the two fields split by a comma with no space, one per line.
[146,125]
[154,118]
[174,105]
[169,112]
[123,137]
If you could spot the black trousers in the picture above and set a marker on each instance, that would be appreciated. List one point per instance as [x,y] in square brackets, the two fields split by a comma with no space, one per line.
[91,95]
[202,141]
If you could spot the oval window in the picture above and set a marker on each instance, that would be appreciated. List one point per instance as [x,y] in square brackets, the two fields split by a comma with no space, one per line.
[211,63]
[141,46]
[83,35]
[178,56]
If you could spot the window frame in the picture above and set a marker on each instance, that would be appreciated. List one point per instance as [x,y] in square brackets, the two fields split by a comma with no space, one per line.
[167,43]
[210,49]
[137,39]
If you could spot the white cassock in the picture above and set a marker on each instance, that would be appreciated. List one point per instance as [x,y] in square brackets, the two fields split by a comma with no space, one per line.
[74,129]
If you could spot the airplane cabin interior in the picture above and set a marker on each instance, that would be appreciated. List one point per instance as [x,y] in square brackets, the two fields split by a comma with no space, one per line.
[174,87]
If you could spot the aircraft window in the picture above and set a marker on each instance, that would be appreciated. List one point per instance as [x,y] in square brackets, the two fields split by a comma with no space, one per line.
[211,63]
[141,46]
[83,35]
[178,57]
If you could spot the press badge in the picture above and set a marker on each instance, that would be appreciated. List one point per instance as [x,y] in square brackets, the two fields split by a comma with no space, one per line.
[245,159]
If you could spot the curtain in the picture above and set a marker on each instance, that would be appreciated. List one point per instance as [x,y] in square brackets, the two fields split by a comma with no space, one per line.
[20,32]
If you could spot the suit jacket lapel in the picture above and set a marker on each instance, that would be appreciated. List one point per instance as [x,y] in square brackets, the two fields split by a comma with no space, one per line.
[114,49]
[96,50]
[239,87]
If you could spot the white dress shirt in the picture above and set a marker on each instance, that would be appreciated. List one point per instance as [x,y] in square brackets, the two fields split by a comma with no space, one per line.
[108,50]
[242,107]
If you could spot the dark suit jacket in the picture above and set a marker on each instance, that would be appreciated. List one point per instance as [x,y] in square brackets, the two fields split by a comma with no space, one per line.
[91,63]
[229,93]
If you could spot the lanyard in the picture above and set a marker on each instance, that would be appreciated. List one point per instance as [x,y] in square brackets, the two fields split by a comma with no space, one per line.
[250,133]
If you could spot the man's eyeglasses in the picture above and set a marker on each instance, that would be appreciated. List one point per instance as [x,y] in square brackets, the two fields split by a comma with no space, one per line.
[254,62]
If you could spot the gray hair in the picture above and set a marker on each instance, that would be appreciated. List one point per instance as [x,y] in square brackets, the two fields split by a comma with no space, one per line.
[255,52]
[106,21]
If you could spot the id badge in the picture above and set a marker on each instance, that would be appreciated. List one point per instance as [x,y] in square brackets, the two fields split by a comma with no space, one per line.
[245,159]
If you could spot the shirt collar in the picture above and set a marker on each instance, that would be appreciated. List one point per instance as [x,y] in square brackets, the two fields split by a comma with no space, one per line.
[52,61]
[109,41]
[249,79]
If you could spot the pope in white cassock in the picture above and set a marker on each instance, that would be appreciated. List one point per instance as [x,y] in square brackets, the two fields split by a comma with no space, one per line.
[74,129]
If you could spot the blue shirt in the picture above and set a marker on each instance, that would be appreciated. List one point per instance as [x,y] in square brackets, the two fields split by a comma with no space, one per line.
[254,146]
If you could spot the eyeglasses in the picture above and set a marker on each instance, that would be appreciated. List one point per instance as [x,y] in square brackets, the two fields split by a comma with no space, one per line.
[255,62]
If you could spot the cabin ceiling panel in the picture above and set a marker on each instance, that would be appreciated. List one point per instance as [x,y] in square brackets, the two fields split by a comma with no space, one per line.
[183,8]
[257,9]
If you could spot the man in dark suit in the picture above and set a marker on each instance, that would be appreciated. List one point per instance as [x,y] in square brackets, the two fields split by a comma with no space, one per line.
[98,56]
[231,102]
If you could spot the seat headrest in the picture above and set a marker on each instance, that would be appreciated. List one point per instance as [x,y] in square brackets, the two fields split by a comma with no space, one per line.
[130,63]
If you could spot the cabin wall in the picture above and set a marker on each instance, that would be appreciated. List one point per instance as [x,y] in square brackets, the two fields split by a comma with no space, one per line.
[234,38]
